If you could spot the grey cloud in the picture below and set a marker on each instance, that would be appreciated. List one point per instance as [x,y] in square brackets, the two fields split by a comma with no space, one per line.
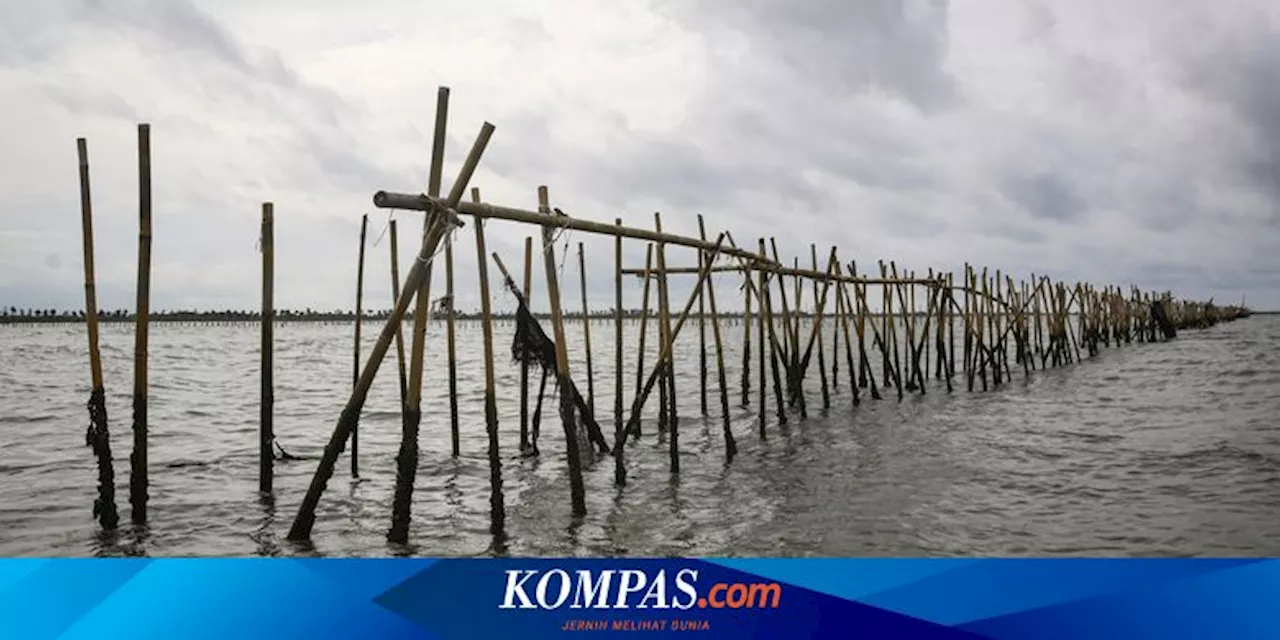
[897,45]
[1045,195]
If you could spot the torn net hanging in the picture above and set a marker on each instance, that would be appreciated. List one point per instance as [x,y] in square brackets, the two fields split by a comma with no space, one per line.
[531,346]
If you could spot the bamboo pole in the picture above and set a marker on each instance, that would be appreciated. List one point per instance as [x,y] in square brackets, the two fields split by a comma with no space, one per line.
[633,421]
[407,459]
[644,320]
[525,445]
[451,353]
[746,340]
[355,360]
[702,337]
[418,344]
[619,437]
[421,202]
[395,295]
[767,312]
[762,294]
[835,336]
[586,332]
[497,511]
[577,493]
[98,436]
[266,397]
[138,460]
[817,324]
[842,326]
[730,446]
[667,340]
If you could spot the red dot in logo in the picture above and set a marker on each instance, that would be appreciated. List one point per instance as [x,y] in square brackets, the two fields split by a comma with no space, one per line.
[702,603]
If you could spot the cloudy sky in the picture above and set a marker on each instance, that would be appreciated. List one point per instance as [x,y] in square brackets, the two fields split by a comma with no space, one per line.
[1114,142]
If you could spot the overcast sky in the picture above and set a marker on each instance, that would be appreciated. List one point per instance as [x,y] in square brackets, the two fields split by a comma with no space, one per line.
[1132,142]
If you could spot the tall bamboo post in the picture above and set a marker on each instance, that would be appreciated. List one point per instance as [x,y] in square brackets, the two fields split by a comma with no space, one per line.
[395,295]
[451,353]
[864,310]
[355,360]
[266,396]
[418,344]
[746,339]
[664,321]
[730,446]
[138,460]
[497,511]
[524,366]
[619,438]
[98,436]
[577,493]
[586,332]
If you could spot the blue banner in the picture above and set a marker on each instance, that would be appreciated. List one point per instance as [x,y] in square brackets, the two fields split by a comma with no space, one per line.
[708,598]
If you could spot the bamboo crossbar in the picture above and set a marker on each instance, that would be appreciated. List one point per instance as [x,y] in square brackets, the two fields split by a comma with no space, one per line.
[785,271]
[422,202]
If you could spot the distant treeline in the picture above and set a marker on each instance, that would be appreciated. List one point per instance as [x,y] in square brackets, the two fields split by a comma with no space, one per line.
[14,315]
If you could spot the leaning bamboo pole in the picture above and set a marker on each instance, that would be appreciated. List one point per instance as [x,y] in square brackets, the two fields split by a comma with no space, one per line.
[395,295]
[497,511]
[644,327]
[408,457]
[266,396]
[577,494]
[98,436]
[138,460]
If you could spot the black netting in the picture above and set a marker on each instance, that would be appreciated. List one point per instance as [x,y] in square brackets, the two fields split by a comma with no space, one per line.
[531,346]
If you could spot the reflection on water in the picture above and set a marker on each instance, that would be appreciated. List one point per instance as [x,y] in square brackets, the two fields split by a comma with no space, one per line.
[1169,449]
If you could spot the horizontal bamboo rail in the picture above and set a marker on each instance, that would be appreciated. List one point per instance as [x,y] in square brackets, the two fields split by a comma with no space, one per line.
[422,202]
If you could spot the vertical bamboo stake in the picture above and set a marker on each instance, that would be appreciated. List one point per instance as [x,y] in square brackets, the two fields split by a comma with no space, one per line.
[730,446]
[864,310]
[451,353]
[762,293]
[619,438]
[497,511]
[817,319]
[702,336]
[97,436]
[664,321]
[577,493]
[266,397]
[417,352]
[842,322]
[355,360]
[835,336]
[524,366]
[586,333]
[395,296]
[138,466]
[746,339]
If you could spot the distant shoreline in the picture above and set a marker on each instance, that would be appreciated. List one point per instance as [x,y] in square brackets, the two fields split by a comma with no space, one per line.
[337,316]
